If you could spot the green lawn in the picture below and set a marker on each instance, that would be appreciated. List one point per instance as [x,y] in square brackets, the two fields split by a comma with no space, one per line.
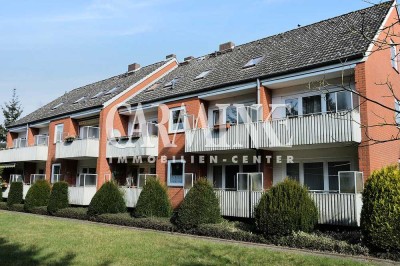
[35,240]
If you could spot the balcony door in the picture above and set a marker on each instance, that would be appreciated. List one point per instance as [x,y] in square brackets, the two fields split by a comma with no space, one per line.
[230,176]
[55,173]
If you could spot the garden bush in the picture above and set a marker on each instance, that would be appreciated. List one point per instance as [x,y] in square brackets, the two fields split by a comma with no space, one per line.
[125,219]
[38,195]
[72,213]
[3,206]
[201,206]
[286,208]
[380,215]
[42,210]
[109,199]
[15,196]
[58,198]
[16,208]
[153,200]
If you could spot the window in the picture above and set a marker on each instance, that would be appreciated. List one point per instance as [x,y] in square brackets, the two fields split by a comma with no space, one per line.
[292,107]
[397,114]
[59,132]
[231,114]
[312,105]
[202,75]
[79,100]
[111,91]
[176,172]
[314,176]
[217,176]
[55,173]
[293,171]
[177,120]
[97,95]
[58,105]
[171,84]
[253,62]
[394,55]
[216,117]
[333,170]
[338,101]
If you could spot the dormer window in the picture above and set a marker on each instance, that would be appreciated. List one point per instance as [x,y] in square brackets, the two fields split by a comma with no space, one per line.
[202,75]
[97,95]
[58,105]
[79,100]
[111,91]
[171,84]
[254,61]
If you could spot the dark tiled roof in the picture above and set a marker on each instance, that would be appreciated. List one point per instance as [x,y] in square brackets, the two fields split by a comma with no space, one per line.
[323,43]
[121,82]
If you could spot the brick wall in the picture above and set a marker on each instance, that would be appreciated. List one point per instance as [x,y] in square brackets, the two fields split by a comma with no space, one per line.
[377,70]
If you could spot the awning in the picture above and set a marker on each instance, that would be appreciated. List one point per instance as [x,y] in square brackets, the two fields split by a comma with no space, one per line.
[3,166]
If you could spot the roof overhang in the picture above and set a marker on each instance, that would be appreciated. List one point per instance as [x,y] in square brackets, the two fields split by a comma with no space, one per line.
[318,74]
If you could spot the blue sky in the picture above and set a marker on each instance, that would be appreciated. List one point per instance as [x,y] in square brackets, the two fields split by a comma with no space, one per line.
[49,47]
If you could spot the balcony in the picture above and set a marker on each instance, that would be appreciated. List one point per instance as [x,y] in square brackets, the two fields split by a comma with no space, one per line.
[327,128]
[84,191]
[17,178]
[22,152]
[84,146]
[142,143]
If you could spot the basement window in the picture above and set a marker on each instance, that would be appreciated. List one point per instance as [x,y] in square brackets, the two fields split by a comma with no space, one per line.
[58,105]
[254,61]
[79,100]
[97,95]
[111,91]
[202,75]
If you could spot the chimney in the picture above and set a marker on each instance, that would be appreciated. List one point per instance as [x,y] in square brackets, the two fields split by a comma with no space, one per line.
[170,56]
[189,58]
[133,67]
[226,46]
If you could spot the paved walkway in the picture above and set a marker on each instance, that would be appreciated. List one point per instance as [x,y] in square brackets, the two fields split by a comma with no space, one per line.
[363,259]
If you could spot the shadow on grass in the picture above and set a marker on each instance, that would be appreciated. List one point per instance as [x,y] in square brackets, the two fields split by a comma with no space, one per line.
[15,254]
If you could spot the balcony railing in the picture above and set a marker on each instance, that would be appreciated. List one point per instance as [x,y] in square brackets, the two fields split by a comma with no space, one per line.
[36,177]
[86,145]
[17,178]
[41,140]
[86,180]
[84,191]
[327,128]
[20,143]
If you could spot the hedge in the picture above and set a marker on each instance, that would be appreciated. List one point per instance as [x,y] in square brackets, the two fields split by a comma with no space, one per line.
[38,195]
[153,200]
[109,199]
[15,195]
[73,213]
[59,198]
[286,208]
[200,206]
[380,215]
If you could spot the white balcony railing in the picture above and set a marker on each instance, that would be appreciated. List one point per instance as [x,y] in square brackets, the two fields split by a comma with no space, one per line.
[143,146]
[41,140]
[327,128]
[20,143]
[86,187]
[36,177]
[85,146]
[17,178]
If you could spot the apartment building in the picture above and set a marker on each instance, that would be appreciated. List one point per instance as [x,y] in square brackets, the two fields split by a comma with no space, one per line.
[301,104]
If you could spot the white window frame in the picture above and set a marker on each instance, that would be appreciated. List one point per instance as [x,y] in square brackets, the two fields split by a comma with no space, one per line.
[56,133]
[171,123]
[397,107]
[52,171]
[169,183]
[394,56]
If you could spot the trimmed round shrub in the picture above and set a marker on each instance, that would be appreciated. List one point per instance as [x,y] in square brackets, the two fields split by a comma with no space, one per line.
[38,195]
[109,199]
[58,198]
[201,206]
[286,208]
[15,195]
[380,215]
[153,200]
